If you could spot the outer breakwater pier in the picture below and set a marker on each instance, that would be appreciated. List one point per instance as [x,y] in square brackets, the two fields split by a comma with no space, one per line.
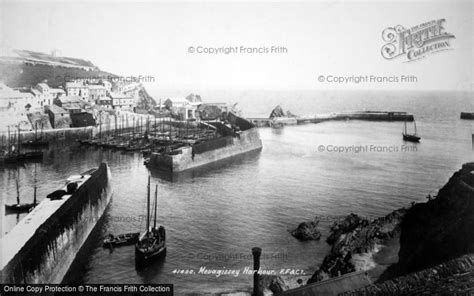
[317,118]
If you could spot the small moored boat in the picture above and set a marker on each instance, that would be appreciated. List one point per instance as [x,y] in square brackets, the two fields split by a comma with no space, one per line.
[121,239]
[410,137]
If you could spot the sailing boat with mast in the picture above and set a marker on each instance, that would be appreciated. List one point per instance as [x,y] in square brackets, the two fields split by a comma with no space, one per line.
[21,207]
[152,242]
[410,137]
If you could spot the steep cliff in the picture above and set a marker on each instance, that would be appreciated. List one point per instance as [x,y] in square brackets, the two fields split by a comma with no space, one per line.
[436,245]
[442,228]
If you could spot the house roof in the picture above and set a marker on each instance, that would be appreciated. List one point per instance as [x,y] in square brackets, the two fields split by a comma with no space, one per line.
[43,85]
[9,93]
[35,92]
[116,95]
[95,86]
[75,85]
[71,99]
[55,109]
[56,90]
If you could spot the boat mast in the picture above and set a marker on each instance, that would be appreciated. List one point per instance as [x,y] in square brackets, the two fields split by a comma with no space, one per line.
[17,186]
[415,126]
[8,141]
[34,189]
[18,139]
[156,202]
[148,206]
[405,127]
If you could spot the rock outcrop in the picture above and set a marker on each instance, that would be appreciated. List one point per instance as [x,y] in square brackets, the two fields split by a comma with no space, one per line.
[355,235]
[307,231]
[145,101]
[277,112]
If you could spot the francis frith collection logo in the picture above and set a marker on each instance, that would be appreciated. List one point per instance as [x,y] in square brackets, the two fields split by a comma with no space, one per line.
[416,42]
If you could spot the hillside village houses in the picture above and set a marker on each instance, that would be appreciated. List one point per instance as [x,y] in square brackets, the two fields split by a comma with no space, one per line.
[80,97]
[121,101]
[77,88]
[45,94]
[103,93]
[16,103]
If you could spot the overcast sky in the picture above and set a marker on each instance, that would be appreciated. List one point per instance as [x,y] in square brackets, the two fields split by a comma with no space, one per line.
[340,38]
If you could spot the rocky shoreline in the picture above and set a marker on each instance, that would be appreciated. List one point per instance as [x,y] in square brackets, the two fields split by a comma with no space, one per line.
[436,240]
[356,236]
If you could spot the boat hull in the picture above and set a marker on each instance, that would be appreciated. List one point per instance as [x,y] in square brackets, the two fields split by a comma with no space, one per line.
[144,257]
[411,138]
[467,115]
[18,208]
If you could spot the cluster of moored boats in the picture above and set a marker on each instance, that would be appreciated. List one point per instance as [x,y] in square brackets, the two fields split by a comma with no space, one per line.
[158,137]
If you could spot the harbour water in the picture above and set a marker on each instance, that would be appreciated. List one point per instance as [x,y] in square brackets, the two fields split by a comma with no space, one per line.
[214,217]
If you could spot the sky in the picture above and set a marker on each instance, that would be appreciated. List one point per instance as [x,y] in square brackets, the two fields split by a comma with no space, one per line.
[321,38]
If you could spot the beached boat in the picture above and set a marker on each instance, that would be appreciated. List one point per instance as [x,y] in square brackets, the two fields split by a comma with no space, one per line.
[152,242]
[410,137]
[121,239]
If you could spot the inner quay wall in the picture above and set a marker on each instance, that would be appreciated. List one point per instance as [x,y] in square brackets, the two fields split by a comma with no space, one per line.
[124,122]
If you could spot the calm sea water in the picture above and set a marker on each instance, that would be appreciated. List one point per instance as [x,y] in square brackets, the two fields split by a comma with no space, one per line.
[215,216]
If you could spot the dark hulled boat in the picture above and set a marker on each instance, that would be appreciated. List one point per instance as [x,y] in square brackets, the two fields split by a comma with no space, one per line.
[152,242]
[19,208]
[410,137]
